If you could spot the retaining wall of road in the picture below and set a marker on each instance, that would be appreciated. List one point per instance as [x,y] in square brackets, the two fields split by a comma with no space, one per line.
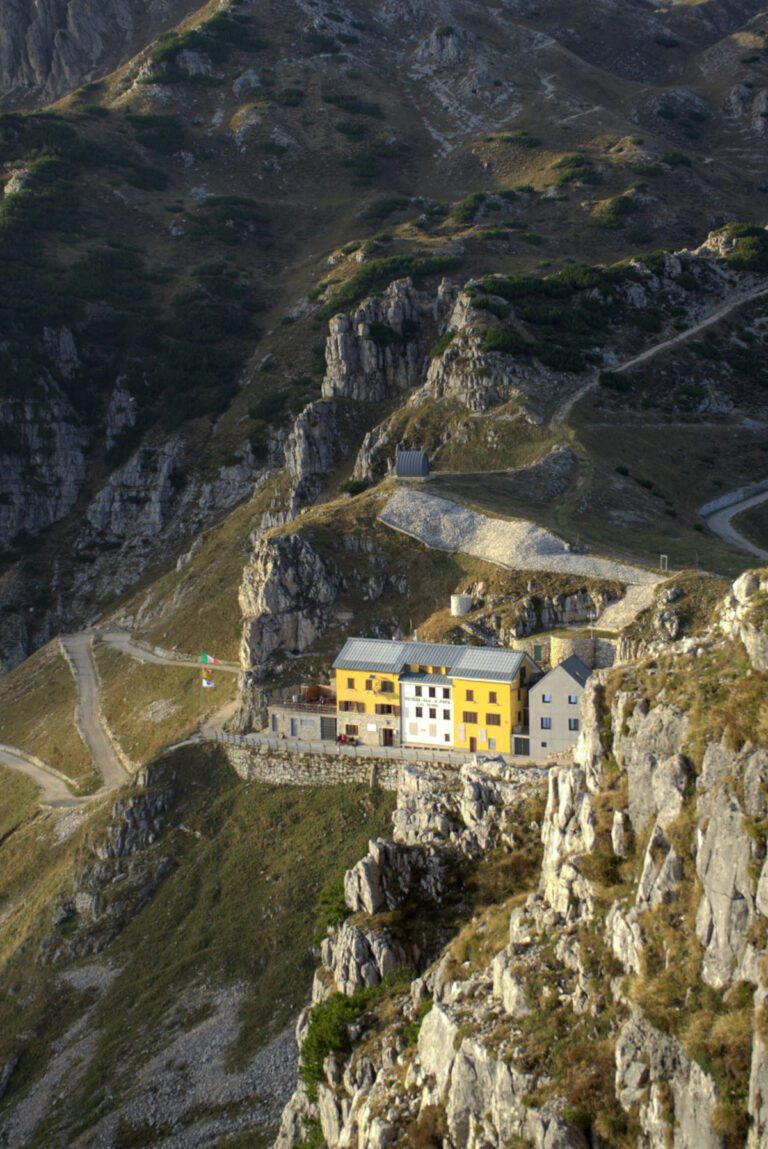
[731,497]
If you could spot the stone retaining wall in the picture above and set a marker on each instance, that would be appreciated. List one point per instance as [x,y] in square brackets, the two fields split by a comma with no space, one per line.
[295,768]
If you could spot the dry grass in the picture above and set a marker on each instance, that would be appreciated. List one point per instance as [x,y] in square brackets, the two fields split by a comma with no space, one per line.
[37,714]
[149,706]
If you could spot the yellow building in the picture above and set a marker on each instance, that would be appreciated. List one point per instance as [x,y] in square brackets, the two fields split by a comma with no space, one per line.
[432,694]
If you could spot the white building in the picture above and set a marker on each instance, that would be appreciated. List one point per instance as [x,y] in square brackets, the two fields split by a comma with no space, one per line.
[426,710]
[554,708]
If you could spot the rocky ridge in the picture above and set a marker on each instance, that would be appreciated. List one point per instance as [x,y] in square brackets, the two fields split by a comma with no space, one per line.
[627,1002]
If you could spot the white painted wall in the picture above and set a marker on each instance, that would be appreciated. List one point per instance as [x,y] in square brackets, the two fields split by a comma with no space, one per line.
[425,730]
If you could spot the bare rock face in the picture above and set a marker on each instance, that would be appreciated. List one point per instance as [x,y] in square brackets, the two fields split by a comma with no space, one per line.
[744,616]
[51,47]
[48,438]
[379,350]
[655,1077]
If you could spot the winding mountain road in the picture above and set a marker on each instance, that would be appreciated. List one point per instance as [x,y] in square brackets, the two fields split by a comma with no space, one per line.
[562,414]
[124,641]
[78,649]
[720,523]
[53,789]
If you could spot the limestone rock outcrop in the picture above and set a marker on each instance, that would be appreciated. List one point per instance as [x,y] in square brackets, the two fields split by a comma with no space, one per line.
[50,48]
[744,615]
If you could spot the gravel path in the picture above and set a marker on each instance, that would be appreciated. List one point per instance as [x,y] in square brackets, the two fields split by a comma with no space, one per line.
[513,543]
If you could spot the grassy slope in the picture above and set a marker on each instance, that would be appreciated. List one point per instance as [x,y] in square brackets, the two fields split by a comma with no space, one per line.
[149,706]
[239,908]
[37,713]
[753,524]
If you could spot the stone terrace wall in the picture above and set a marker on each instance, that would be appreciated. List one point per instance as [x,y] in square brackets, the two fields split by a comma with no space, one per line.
[297,768]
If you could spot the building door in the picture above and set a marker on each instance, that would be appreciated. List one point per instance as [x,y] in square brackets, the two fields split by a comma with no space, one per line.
[387,738]
[472,745]
[328,729]
[294,728]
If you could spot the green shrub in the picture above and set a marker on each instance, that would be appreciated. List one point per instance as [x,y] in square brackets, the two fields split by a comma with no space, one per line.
[331,909]
[385,206]
[675,159]
[614,381]
[466,209]
[354,487]
[354,105]
[442,344]
[413,1028]
[163,134]
[378,273]
[503,340]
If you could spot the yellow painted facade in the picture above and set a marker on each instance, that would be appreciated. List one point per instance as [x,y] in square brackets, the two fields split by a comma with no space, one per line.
[486,713]
[497,707]
[359,693]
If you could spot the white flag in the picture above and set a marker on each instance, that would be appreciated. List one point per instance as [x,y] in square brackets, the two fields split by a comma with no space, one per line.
[208,684]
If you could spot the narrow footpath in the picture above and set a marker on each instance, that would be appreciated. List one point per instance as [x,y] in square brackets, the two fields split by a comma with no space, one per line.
[562,414]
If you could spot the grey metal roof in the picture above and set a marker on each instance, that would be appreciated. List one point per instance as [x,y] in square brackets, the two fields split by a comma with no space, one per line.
[431,679]
[477,662]
[411,464]
[375,654]
[490,665]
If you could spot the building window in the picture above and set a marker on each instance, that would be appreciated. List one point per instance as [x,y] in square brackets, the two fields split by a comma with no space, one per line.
[274,724]
[543,745]
[387,688]
[573,724]
[350,684]
[546,724]
[432,692]
[546,698]
[446,692]
[493,698]
[470,696]
[419,711]
[447,715]
[491,743]
[369,684]
[351,729]
[432,712]
[446,738]
[573,699]
[384,708]
[418,692]
[469,716]
[423,670]
[493,720]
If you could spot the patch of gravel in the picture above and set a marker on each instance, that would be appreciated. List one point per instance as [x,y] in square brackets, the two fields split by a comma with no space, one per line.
[187,1095]
[96,975]
[513,543]
[68,823]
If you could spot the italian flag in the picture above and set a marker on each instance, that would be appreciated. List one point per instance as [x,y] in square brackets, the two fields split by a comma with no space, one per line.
[208,659]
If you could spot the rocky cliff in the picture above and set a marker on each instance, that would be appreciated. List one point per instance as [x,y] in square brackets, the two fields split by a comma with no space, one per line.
[50,48]
[612,993]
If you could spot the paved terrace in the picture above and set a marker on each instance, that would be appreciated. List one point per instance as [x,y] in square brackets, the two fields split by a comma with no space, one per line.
[391,753]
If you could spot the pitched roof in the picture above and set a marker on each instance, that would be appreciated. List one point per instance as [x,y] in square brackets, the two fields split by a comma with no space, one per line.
[574,667]
[484,664]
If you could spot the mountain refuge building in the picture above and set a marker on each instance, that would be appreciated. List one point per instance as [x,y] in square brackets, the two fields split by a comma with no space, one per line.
[391,693]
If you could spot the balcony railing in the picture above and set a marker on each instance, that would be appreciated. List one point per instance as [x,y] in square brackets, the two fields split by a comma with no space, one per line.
[328,708]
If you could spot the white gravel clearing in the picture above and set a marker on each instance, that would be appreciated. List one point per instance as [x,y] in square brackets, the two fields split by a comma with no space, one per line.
[513,543]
